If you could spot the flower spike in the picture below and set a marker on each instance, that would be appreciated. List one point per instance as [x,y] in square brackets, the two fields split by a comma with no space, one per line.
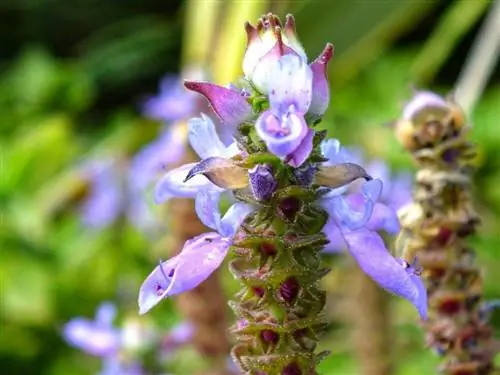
[294,191]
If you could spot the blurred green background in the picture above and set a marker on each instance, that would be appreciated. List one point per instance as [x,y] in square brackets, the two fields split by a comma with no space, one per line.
[72,77]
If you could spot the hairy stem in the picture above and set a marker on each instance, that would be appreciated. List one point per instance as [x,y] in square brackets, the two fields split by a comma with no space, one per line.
[280,309]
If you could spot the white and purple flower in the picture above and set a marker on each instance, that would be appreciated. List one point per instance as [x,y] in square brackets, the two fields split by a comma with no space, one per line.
[173,102]
[295,89]
[110,198]
[101,339]
[206,143]
[120,348]
[353,223]
[200,256]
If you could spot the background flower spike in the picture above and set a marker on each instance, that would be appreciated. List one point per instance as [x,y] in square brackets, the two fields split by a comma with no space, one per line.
[435,228]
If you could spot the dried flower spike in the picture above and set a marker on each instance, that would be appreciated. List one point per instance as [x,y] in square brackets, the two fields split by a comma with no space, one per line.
[435,228]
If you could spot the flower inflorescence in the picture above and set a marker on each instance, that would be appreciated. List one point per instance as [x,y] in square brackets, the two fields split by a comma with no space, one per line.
[289,188]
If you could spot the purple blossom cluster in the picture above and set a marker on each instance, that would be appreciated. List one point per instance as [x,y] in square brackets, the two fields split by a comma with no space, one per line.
[116,190]
[120,348]
[280,95]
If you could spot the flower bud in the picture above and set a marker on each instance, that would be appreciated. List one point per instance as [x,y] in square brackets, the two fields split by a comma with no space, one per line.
[266,44]
[262,182]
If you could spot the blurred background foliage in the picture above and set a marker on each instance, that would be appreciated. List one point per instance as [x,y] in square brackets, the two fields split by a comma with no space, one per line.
[73,75]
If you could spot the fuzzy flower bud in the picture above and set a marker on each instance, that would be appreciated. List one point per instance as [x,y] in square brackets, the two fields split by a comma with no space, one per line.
[267,43]
[262,182]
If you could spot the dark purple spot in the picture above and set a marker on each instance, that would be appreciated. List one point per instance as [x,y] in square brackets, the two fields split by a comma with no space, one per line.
[443,236]
[171,273]
[209,240]
[259,291]
[289,289]
[451,155]
[269,336]
[268,249]
[291,369]
[159,289]
[450,306]
[289,207]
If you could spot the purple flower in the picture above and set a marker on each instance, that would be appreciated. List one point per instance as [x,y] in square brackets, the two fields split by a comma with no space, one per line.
[205,141]
[352,224]
[173,102]
[110,197]
[157,156]
[228,103]
[355,210]
[96,337]
[179,335]
[200,256]
[262,182]
[395,191]
[105,200]
[392,274]
[266,44]
[283,127]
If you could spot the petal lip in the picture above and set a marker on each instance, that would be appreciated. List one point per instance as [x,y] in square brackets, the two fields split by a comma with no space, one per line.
[336,241]
[368,249]
[231,107]
[158,284]
[302,152]
[199,258]
[281,145]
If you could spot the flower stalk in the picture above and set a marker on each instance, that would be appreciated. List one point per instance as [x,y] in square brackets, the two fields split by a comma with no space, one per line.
[290,193]
[435,228]
[275,256]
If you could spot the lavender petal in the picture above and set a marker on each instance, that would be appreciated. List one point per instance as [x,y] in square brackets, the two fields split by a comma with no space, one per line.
[375,260]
